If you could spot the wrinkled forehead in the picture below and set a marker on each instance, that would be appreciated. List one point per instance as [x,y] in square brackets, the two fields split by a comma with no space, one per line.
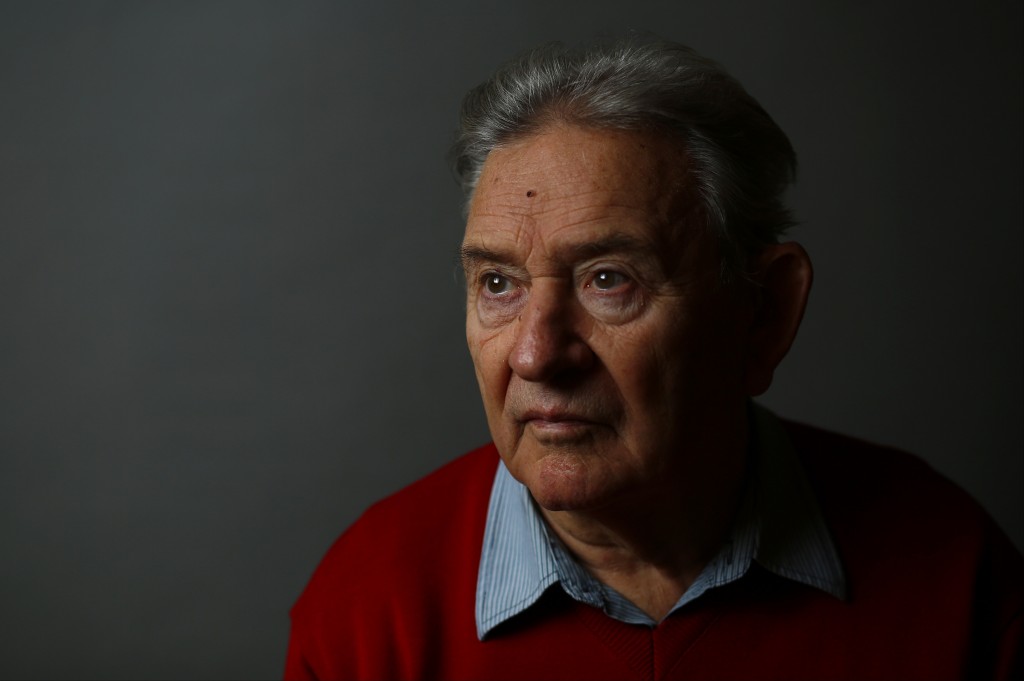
[564,179]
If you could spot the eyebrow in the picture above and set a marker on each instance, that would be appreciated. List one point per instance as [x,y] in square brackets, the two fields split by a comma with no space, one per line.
[615,243]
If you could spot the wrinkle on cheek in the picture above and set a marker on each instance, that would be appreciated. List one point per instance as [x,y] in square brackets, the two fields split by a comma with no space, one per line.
[486,341]
[590,333]
[625,343]
[489,350]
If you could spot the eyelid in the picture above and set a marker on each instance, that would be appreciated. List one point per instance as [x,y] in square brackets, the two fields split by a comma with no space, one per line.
[591,274]
[489,273]
[620,302]
[619,279]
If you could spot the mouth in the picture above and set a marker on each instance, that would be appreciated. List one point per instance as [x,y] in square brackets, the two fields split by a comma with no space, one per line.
[557,425]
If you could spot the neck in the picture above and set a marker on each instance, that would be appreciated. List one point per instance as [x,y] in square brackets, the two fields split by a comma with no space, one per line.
[650,546]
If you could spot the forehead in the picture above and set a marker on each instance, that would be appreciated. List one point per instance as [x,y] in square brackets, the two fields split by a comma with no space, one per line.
[579,183]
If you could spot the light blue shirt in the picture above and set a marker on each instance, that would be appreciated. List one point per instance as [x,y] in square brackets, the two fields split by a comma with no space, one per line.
[779,525]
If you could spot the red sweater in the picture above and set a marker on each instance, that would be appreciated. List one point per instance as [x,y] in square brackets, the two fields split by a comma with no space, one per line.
[935,591]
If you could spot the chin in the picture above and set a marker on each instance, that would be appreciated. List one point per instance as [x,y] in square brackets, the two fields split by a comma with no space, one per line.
[563,482]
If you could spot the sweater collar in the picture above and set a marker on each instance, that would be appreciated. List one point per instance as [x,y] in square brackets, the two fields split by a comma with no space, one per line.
[779,525]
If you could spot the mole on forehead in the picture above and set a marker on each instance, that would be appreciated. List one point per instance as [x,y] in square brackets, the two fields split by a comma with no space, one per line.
[641,176]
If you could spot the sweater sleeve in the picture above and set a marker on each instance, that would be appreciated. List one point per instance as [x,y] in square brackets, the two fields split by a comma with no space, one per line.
[1010,655]
[296,666]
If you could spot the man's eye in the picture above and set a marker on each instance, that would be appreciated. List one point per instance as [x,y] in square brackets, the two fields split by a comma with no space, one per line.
[496,284]
[605,280]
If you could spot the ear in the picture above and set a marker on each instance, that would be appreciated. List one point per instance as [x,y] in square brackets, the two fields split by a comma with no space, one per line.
[783,276]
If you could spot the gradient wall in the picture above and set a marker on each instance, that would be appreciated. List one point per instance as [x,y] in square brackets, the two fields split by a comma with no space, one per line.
[228,312]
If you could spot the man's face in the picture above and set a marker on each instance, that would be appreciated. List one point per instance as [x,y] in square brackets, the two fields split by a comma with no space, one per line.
[608,353]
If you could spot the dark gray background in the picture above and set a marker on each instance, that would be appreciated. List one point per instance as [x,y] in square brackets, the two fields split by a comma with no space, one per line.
[229,315]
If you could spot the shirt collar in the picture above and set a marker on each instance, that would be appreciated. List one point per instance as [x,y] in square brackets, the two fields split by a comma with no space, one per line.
[779,525]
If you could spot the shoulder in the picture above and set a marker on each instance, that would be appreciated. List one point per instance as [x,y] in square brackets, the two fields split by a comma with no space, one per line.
[426,528]
[867,478]
[907,532]
[863,486]
[402,573]
[460,486]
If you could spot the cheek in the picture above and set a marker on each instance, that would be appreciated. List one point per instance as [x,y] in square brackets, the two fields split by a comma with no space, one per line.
[702,366]
[489,350]
[653,365]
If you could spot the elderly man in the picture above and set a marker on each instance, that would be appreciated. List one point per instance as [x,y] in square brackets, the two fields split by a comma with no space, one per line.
[637,516]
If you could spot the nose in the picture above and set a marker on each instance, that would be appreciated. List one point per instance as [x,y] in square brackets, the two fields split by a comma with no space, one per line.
[548,344]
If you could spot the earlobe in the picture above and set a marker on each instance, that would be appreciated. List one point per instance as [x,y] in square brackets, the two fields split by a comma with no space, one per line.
[784,274]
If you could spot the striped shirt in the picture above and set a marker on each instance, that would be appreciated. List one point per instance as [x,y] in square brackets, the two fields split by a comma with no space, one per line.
[779,525]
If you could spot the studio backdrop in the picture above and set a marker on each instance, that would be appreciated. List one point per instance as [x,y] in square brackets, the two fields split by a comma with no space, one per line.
[229,311]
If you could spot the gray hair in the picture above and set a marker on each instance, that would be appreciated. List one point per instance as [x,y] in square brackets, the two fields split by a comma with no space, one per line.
[740,161]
